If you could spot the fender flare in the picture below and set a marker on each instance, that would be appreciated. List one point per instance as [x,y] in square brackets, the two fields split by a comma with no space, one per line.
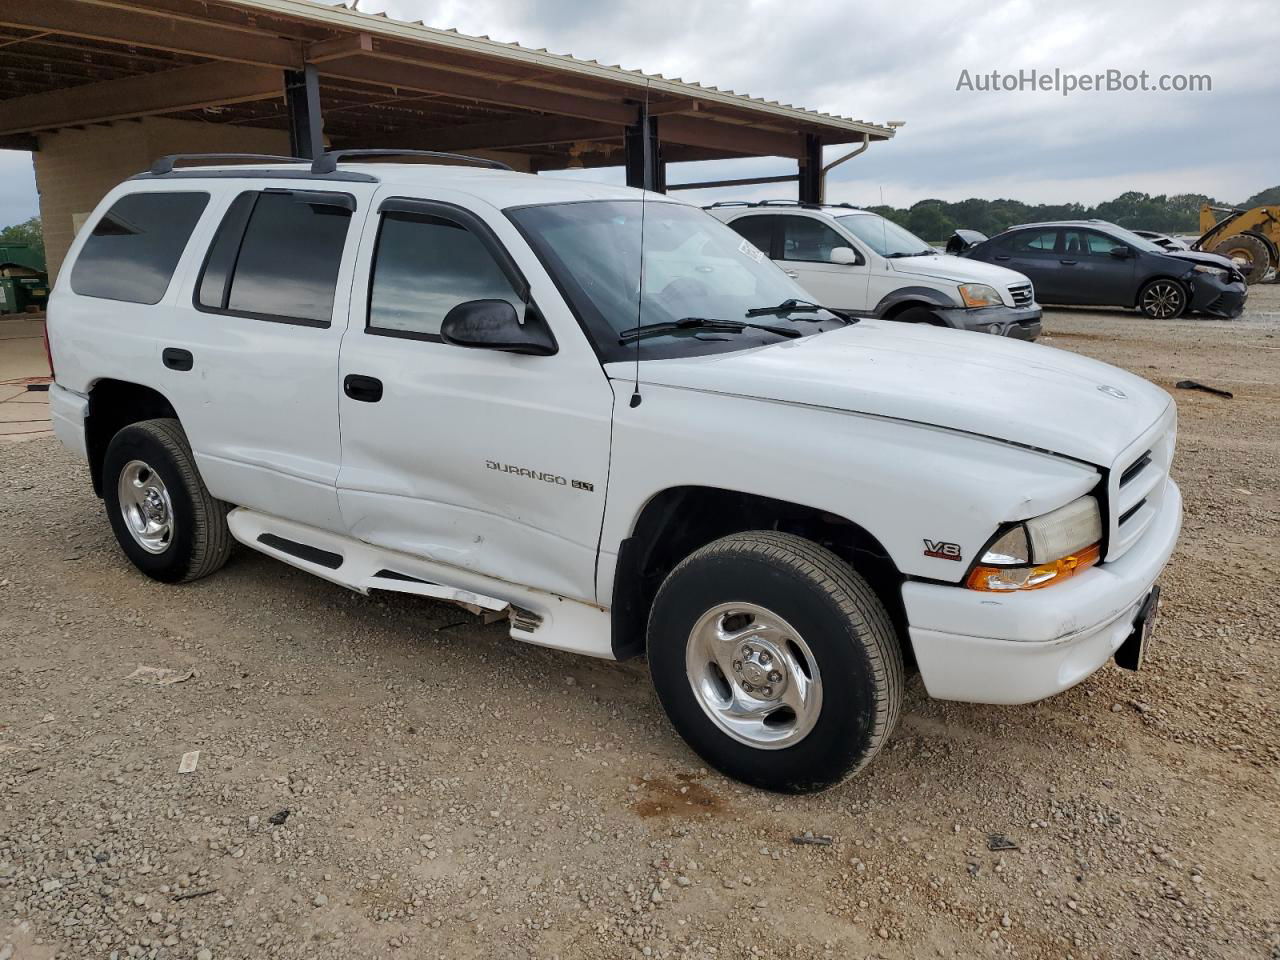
[908,295]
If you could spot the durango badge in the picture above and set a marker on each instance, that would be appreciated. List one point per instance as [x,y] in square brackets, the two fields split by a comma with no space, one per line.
[941,549]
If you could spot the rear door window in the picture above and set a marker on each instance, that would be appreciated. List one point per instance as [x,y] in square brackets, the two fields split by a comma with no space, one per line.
[133,250]
[1033,241]
[276,257]
[758,230]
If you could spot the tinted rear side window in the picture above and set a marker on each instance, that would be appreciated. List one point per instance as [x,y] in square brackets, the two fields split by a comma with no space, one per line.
[135,247]
[758,231]
[288,263]
[276,257]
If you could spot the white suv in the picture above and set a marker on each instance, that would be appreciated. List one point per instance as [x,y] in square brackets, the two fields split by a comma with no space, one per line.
[860,263]
[459,382]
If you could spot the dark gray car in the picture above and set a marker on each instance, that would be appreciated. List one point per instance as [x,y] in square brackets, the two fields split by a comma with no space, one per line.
[1095,263]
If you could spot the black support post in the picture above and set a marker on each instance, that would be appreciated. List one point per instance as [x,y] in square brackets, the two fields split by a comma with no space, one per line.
[306,124]
[811,170]
[643,155]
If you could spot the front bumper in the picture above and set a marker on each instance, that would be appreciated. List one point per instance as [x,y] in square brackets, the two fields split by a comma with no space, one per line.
[1217,297]
[1023,647]
[1020,323]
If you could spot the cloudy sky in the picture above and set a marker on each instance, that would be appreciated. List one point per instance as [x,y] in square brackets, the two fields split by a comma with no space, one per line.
[879,61]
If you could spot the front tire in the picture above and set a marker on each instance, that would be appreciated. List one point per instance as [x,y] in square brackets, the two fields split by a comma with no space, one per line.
[1163,299]
[164,518]
[775,661]
[920,315]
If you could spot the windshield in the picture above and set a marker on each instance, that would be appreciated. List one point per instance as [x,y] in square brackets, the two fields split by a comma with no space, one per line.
[694,267]
[884,236]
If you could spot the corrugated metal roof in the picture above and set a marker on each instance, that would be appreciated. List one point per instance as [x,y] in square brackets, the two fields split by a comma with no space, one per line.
[380,24]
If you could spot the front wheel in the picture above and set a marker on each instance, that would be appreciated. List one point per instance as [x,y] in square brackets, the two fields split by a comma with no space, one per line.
[1163,299]
[165,519]
[775,661]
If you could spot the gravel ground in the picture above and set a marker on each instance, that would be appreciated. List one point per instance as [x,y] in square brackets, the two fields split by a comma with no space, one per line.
[382,777]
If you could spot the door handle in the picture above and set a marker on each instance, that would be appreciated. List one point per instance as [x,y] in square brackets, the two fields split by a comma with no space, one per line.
[175,358]
[1001,257]
[1069,263]
[364,389]
[793,275]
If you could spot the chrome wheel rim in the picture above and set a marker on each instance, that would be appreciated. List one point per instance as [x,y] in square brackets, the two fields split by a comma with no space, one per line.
[146,507]
[1162,300]
[753,675]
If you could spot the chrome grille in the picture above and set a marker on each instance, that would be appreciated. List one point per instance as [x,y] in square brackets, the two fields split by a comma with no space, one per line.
[1136,485]
[1022,294]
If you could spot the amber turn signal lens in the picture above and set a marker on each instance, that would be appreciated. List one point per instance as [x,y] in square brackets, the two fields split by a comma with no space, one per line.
[1006,579]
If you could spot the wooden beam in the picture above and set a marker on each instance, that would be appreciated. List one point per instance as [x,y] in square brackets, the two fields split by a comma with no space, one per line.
[155,30]
[20,141]
[205,85]
[506,92]
[525,132]
[338,48]
[701,131]
[672,107]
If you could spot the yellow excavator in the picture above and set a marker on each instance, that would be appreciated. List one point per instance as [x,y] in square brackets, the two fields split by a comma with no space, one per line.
[1249,237]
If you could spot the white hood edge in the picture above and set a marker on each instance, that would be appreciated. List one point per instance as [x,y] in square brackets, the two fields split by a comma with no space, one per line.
[1023,393]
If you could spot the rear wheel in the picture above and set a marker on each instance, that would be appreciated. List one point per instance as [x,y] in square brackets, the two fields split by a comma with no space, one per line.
[1250,254]
[775,661]
[166,521]
[1163,299]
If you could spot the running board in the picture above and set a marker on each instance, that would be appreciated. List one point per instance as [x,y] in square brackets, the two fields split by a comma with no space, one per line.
[535,616]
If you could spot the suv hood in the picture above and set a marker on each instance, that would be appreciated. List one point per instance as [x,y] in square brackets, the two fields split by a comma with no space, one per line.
[961,270]
[1008,390]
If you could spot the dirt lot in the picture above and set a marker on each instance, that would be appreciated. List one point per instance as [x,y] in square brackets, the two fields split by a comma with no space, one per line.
[451,793]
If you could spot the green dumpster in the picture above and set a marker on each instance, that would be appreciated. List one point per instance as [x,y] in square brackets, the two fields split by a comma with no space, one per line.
[23,283]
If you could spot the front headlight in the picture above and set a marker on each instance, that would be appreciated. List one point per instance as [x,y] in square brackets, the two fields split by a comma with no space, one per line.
[979,295]
[1218,272]
[1043,551]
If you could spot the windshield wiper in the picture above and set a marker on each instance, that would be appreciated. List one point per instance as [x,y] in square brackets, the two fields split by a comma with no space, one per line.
[919,253]
[700,323]
[796,306]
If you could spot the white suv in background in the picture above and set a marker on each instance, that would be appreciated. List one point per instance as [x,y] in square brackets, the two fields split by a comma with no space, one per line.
[860,263]
[439,380]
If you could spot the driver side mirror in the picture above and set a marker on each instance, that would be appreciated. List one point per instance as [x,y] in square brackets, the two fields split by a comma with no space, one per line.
[1121,253]
[494,325]
[843,256]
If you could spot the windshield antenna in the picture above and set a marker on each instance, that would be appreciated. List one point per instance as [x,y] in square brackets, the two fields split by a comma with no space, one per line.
[647,184]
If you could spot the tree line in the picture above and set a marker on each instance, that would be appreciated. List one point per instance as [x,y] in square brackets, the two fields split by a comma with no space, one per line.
[935,220]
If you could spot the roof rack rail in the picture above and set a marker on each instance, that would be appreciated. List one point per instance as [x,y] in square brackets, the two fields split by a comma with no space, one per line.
[328,162]
[729,203]
[166,164]
[779,203]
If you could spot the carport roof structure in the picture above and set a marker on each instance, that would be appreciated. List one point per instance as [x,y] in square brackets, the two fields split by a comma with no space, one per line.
[379,82]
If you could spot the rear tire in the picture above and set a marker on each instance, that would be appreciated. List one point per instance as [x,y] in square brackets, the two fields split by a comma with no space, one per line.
[1163,299]
[1250,253]
[166,521]
[775,661]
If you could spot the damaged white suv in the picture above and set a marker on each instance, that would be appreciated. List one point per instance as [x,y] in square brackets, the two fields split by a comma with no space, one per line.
[613,421]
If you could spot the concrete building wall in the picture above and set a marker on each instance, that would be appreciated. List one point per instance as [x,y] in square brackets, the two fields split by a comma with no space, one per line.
[76,168]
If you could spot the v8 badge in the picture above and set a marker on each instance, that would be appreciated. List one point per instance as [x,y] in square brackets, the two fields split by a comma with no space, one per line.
[941,549]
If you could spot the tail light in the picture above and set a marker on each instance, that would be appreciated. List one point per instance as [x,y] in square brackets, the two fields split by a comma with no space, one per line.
[48,353]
